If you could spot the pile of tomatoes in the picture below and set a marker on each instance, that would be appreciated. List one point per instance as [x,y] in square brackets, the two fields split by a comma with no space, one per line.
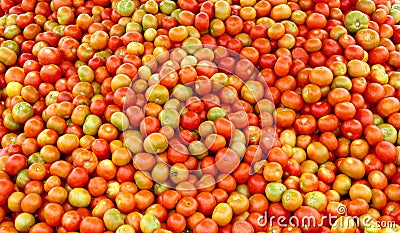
[200,116]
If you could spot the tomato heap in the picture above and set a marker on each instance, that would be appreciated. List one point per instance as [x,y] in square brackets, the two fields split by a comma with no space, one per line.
[200,116]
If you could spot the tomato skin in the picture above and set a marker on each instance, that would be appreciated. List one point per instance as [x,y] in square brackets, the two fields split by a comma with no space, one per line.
[206,225]
[331,47]
[91,224]
[305,124]
[8,188]
[50,73]
[282,66]
[233,25]
[53,214]
[378,55]
[202,21]
[78,177]
[352,129]
[257,184]
[15,163]
[386,151]
[206,202]
[190,120]
[49,55]
[189,5]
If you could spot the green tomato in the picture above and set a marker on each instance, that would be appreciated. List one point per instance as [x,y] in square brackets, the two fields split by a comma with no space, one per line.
[309,166]
[274,191]
[21,112]
[169,117]
[35,158]
[149,223]
[389,132]
[155,143]
[85,73]
[174,104]
[167,6]
[378,119]
[342,184]
[219,80]
[51,98]
[222,10]
[239,148]
[149,21]
[160,188]
[59,30]
[10,123]
[120,121]
[316,199]
[125,7]
[157,94]
[395,13]
[126,228]
[355,20]
[11,45]
[113,219]
[79,197]
[24,222]
[198,149]
[133,26]
[22,178]
[182,92]
[103,55]
[91,125]
[215,113]
[342,81]
[134,144]
[11,31]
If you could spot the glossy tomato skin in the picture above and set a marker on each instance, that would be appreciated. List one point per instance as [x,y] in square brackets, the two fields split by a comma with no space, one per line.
[257,184]
[190,120]
[8,188]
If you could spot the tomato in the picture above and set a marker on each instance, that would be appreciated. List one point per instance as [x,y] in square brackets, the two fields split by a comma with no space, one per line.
[348,165]
[91,224]
[378,55]
[187,206]
[176,222]
[292,100]
[6,191]
[305,124]
[356,20]
[226,160]
[206,225]
[190,120]
[367,38]
[49,55]
[352,129]
[206,202]
[386,151]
